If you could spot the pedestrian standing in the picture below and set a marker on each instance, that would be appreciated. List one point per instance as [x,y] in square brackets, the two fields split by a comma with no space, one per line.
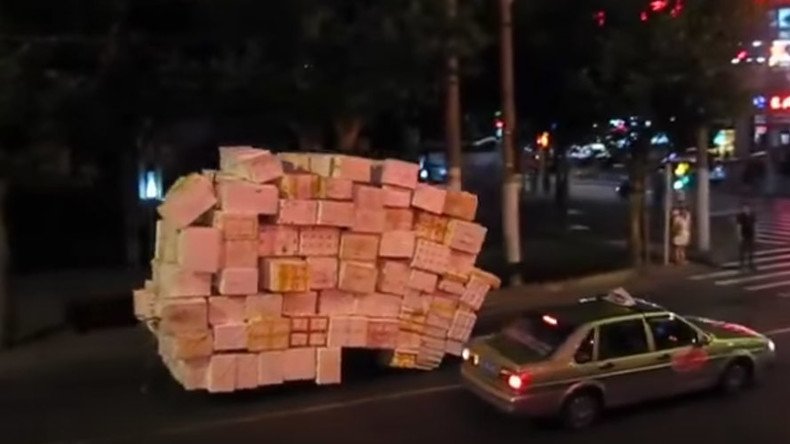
[746,221]
[681,233]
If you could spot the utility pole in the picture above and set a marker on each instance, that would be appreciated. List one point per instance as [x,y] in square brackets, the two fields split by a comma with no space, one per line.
[703,191]
[510,183]
[452,107]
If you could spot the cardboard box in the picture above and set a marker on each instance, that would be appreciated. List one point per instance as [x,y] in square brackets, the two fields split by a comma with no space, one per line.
[403,359]
[398,219]
[189,345]
[461,205]
[430,256]
[263,306]
[222,373]
[369,221]
[357,277]
[278,240]
[284,275]
[300,304]
[422,280]
[452,286]
[319,241]
[176,282]
[432,227]
[398,244]
[453,347]
[300,323]
[298,339]
[187,200]
[335,188]
[192,373]
[393,277]
[378,305]
[246,371]
[317,339]
[226,310]
[323,272]
[199,249]
[444,305]
[359,247]
[357,331]
[143,303]
[321,164]
[347,331]
[382,333]
[295,162]
[475,293]
[335,214]
[268,334]
[238,281]
[462,325]
[408,341]
[335,302]
[240,197]
[297,212]
[165,242]
[357,169]
[460,265]
[183,316]
[399,173]
[270,368]
[489,278]
[230,337]
[299,186]
[368,197]
[465,236]
[240,254]
[236,226]
[396,197]
[429,198]
[259,166]
[299,364]
[328,366]
[416,300]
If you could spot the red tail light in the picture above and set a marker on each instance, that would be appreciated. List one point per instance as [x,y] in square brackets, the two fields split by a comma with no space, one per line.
[518,381]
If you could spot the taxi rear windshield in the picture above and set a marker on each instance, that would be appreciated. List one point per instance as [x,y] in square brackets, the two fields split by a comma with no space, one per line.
[539,332]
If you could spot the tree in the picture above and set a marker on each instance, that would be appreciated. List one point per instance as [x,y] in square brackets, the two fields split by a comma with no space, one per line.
[665,61]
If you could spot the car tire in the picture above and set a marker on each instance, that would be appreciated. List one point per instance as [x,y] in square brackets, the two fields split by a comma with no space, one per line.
[581,410]
[735,378]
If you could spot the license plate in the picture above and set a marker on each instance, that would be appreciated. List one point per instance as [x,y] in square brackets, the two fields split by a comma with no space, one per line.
[489,367]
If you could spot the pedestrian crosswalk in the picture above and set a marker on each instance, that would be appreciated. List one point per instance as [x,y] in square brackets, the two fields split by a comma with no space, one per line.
[772,261]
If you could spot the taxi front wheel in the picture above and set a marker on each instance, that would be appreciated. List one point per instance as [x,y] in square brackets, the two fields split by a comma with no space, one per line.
[581,410]
[735,378]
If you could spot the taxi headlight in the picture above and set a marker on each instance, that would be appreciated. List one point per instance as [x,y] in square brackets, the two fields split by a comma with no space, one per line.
[466,354]
[771,346]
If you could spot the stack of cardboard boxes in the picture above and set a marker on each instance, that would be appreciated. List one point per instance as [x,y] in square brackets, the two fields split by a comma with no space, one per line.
[266,269]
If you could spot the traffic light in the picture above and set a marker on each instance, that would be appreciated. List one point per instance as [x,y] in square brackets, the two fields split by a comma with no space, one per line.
[682,176]
[543,140]
[499,124]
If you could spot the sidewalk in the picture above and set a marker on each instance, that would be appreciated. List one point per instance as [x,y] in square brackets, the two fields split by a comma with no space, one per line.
[111,383]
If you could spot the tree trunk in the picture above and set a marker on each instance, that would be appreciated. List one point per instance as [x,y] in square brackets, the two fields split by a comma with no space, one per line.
[452,109]
[347,131]
[7,312]
[510,184]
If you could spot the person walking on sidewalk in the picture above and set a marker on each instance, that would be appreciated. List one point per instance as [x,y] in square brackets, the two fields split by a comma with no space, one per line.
[746,222]
[681,233]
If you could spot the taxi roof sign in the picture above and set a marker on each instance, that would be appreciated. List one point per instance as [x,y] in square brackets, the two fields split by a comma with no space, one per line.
[620,296]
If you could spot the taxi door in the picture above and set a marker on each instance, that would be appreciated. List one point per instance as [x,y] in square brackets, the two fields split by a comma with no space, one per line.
[626,364]
[686,364]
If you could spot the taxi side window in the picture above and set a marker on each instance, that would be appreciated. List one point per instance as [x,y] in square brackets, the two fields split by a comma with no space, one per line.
[670,332]
[621,339]
[584,353]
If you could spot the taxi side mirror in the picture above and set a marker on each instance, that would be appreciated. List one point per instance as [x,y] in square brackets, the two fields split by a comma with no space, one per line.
[703,340]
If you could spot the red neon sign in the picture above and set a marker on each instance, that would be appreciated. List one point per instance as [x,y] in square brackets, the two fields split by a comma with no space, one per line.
[780,103]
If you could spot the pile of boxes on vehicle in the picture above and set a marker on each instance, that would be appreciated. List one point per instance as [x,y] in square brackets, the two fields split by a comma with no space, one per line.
[266,269]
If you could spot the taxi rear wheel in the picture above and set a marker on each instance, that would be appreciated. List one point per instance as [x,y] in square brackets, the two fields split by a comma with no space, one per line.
[736,377]
[581,410]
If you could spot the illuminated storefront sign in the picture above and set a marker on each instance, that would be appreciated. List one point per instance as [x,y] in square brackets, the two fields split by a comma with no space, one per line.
[780,102]
[780,53]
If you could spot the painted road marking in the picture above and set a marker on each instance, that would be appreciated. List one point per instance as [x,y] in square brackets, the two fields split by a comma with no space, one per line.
[579,228]
[769,236]
[761,240]
[767,286]
[757,260]
[728,273]
[752,278]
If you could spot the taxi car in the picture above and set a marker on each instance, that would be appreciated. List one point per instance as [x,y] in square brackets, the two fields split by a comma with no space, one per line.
[573,361]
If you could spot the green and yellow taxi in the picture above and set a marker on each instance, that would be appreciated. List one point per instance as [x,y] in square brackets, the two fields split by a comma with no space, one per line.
[573,361]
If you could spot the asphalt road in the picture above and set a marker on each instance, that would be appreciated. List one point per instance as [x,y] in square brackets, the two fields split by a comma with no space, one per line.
[432,407]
